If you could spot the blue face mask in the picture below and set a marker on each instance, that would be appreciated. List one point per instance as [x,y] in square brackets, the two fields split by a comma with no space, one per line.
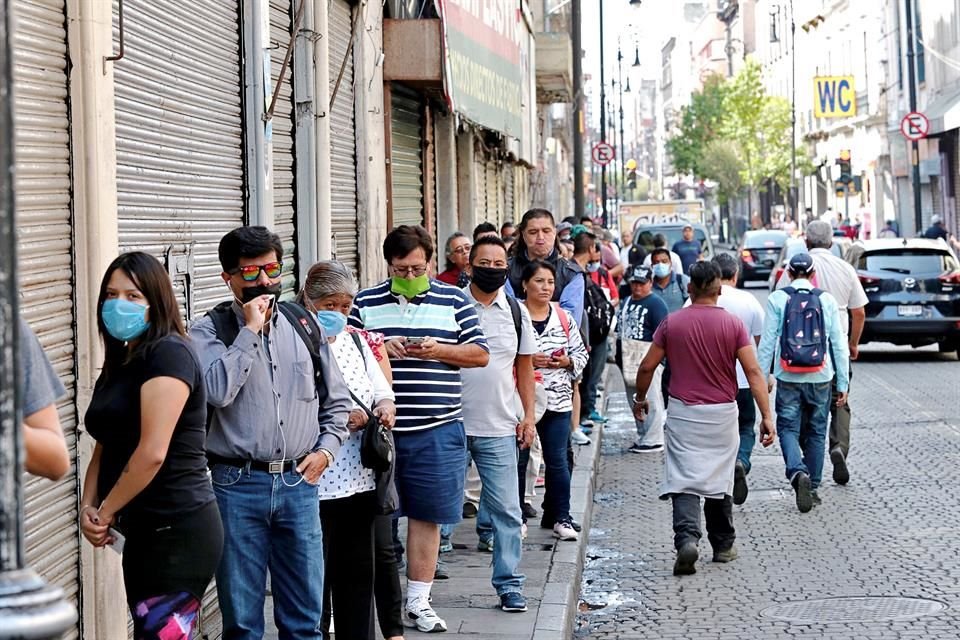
[661,270]
[333,322]
[593,267]
[124,320]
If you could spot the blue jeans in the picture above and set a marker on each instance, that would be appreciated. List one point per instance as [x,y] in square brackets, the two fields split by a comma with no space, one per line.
[554,431]
[802,412]
[591,378]
[499,515]
[269,524]
[748,426]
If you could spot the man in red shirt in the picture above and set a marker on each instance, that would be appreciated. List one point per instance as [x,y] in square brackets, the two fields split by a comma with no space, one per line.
[703,342]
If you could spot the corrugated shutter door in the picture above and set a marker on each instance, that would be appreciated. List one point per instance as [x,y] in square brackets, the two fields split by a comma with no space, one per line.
[509,193]
[343,138]
[494,213]
[284,188]
[480,187]
[179,135]
[406,153]
[44,223]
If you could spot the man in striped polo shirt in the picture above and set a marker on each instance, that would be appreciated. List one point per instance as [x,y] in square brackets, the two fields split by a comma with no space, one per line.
[431,331]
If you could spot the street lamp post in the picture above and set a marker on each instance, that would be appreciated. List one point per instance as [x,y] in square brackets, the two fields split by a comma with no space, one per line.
[603,124]
[29,609]
[623,90]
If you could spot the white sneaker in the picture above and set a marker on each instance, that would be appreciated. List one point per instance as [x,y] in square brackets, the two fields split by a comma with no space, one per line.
[421,616]
[564,531]
[523,531]
[578,438]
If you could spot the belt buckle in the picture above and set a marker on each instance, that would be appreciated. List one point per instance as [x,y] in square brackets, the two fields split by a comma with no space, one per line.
[276,466]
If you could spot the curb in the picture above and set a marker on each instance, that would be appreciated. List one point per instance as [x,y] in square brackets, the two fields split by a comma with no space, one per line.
[558,610]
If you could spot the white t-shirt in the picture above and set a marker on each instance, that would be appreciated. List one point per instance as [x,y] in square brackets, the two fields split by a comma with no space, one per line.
[744,306]
[488,392]
[365,379]
[674,261]
[838,278]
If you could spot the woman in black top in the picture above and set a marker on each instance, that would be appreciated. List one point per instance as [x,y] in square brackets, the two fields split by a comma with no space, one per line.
[147,480]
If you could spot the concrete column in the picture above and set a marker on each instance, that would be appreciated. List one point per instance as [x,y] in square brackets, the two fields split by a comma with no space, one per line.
[306,109]
[371,143]
[96,238]
[466,181]
[445,144]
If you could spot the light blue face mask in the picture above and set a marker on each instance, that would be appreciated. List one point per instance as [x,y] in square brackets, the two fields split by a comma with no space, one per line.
[661,270]
[124,320]
[333,322]
[593,267]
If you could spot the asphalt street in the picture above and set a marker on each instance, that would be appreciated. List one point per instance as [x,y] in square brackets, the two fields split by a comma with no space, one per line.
[878,559]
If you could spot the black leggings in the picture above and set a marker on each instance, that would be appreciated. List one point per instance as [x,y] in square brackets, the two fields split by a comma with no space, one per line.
[386,586]
[348,549]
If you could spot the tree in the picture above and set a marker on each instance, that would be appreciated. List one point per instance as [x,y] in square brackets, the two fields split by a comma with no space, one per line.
[743,126]
[721,163]
[700,123]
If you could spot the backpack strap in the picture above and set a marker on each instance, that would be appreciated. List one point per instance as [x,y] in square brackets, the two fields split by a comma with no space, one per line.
[517,319]
[305,326]
[357,341]
[683,292]
[564,321]
[225,323]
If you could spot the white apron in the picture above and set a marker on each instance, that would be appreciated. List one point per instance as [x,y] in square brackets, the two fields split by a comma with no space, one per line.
[633,353]
[700,446]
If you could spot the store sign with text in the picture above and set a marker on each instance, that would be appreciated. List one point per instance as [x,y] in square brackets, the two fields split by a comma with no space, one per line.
[483,71]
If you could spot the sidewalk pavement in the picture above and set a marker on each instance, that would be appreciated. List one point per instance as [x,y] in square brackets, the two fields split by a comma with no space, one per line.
[553,569]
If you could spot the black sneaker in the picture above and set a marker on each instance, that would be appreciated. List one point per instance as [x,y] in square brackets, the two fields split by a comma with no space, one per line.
[816,498]
[529,511]
[727,555]
[686,564]
[841,475]
[469,510]
[740,488]
[513,602]
[801,485]
[441,573]
[645,448]
[548,524]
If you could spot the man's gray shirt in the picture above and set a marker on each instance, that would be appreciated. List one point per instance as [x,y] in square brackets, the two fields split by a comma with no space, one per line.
[264,392]
[39,383]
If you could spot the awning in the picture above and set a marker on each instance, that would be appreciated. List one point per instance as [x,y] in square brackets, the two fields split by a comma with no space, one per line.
[943,112]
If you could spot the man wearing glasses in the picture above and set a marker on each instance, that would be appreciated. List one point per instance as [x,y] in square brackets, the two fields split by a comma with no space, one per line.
[265,444]
[431,331]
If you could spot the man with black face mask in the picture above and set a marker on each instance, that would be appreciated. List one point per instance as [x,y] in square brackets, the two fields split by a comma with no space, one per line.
[274,427]
[490,415]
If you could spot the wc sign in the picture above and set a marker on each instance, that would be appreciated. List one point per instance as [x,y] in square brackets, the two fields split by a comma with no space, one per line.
[834,97]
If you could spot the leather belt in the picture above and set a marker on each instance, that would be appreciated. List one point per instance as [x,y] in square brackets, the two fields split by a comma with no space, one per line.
[272,466]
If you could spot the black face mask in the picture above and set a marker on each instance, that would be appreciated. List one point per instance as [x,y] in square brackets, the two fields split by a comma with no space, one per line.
[248,294]
[489,279]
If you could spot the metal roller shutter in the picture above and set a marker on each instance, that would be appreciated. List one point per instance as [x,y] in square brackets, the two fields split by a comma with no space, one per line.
[343,138]
[44,222]
[406,153]
[180,181]
[509,193]
[480,187]
[284,170]
[494,209]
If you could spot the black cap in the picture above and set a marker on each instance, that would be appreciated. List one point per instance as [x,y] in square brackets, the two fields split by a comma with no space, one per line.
[640,274]
[801,263]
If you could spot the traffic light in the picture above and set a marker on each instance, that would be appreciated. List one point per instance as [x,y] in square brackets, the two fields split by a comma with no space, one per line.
[631,174]
[843,161]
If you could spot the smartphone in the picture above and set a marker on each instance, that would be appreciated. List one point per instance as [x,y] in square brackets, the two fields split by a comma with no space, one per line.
[414,342]
[559,353]
[118,540]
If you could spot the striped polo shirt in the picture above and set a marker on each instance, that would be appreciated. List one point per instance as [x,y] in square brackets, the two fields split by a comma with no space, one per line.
[428,392]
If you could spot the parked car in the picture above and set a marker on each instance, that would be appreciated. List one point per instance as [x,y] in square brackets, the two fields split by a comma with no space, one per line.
[798,245]
[758,253]
[913,287]
[643,236]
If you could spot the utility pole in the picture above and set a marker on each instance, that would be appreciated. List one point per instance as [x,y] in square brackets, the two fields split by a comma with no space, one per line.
[623,155]
[29,609]
[576,37]
[603,125]
[914,148]
[614,172]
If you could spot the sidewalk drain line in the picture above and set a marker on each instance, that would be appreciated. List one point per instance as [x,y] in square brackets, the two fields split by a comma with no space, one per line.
[853,609]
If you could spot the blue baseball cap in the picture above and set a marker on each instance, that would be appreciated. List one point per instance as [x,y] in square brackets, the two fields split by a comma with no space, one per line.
[801,263]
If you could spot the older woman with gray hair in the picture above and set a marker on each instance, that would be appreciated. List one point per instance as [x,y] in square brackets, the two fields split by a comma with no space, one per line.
[349,512]
[457,253]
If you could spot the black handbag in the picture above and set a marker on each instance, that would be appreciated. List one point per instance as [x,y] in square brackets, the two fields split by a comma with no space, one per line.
[376,442]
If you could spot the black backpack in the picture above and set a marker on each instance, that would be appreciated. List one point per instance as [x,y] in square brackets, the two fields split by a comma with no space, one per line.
[598,309]
[227,328]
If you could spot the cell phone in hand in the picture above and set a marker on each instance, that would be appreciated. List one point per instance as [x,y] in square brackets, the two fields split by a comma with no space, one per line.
[559,353]
[414,343]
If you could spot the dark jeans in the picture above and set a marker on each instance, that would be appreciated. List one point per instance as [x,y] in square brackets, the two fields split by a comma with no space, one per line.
[386,584]
[686,520]
[839,421]
[748,426]
[554,431]
[348,552]
[591,378]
